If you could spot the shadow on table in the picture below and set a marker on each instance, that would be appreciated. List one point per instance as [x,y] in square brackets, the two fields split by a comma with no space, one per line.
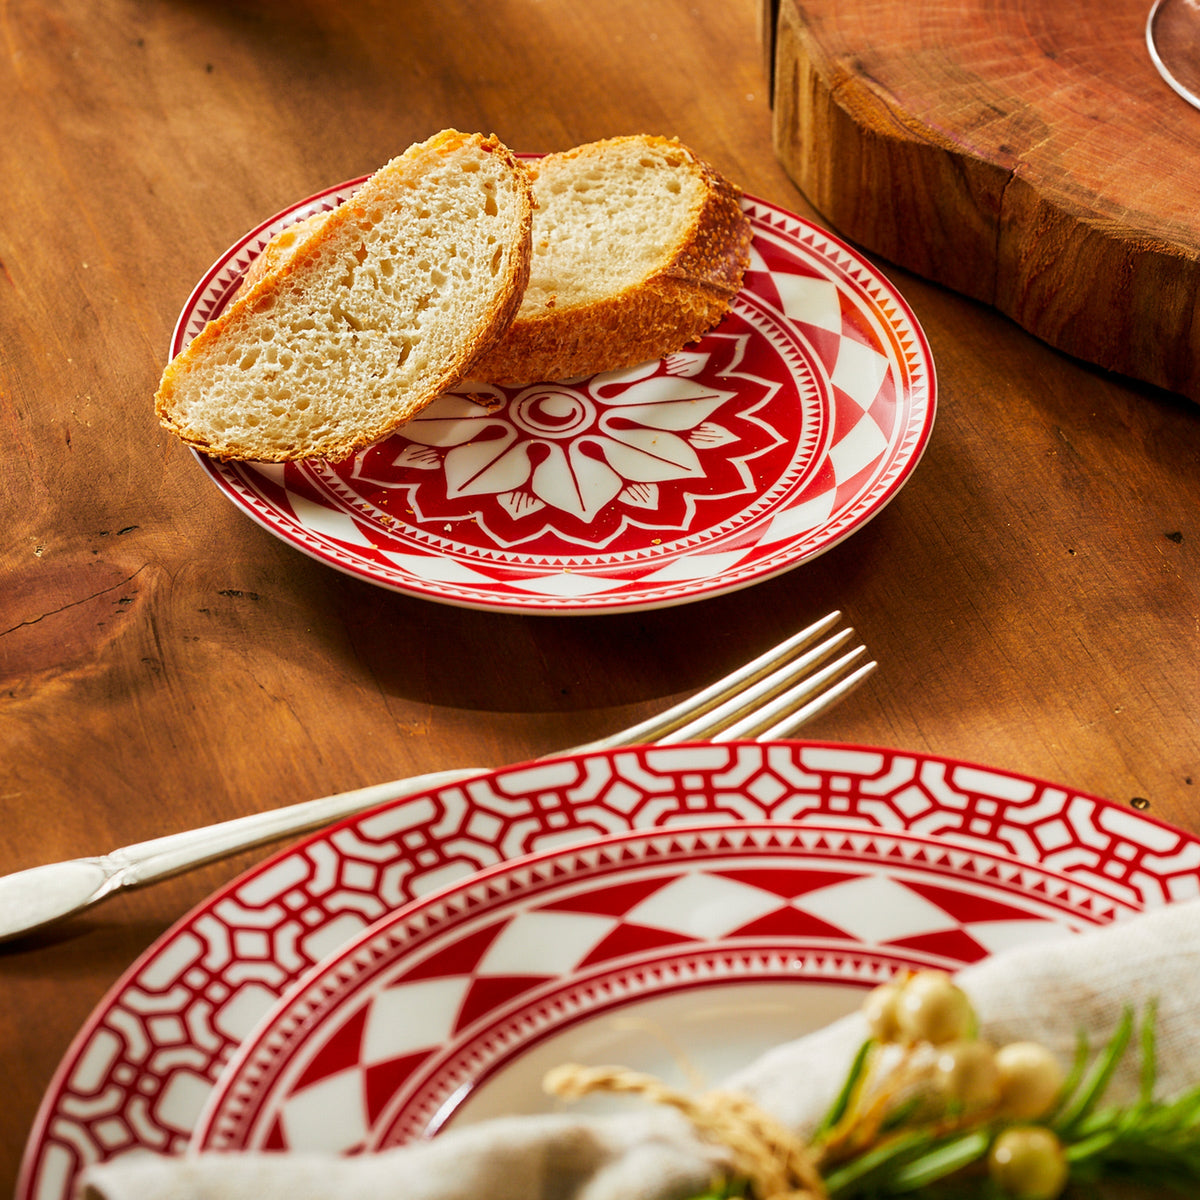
[502,662]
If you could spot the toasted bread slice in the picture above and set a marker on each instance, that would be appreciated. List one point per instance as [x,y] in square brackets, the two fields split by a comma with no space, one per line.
[374,311]
[638,248]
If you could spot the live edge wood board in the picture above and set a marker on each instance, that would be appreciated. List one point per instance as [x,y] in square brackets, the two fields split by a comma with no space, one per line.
[1024,153]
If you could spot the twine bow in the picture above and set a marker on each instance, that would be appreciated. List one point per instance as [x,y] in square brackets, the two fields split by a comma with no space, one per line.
[777,1163]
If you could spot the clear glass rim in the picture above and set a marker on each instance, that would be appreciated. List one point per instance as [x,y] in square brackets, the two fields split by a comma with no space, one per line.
[1156,57]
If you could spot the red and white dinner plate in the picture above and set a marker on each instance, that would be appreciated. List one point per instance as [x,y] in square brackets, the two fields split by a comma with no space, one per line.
[488,985]
[847,861]
[779,434]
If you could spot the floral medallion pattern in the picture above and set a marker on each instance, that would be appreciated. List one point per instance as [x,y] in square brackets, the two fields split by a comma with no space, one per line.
[576,465]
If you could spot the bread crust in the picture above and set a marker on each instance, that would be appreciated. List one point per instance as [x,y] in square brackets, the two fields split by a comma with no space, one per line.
[278,251]
[288,264]
[687,294]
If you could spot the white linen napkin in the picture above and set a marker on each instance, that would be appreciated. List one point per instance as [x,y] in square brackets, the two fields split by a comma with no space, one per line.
[1046,992]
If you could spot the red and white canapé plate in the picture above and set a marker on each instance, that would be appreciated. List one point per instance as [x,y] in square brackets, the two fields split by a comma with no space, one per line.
[777,435]
[881,858]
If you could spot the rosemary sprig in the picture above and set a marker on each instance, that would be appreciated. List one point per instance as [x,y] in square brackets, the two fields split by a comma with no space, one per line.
[876,1141]
[927,1107]
[1076,1107]
[854,1080]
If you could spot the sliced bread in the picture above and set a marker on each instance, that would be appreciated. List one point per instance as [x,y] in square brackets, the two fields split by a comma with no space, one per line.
[369,315]
[638,248]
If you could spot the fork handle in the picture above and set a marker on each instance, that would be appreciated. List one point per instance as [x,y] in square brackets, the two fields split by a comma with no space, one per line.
[158,858]
[36,897]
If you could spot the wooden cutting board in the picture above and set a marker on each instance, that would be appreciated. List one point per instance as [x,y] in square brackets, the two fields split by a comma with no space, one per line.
[1023,153]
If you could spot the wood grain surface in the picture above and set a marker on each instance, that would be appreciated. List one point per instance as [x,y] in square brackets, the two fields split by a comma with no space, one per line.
[1032,595]
[1025,154]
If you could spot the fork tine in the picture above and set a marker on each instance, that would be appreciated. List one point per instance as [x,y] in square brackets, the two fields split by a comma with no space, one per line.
[666,726]
[806,712]
[786,711]
[762,701]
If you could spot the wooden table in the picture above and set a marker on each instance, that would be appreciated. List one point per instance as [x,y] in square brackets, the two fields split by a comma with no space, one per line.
[1031,595]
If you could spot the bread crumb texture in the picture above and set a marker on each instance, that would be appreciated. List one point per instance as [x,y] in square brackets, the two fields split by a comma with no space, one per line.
[639,247]
[364,316]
